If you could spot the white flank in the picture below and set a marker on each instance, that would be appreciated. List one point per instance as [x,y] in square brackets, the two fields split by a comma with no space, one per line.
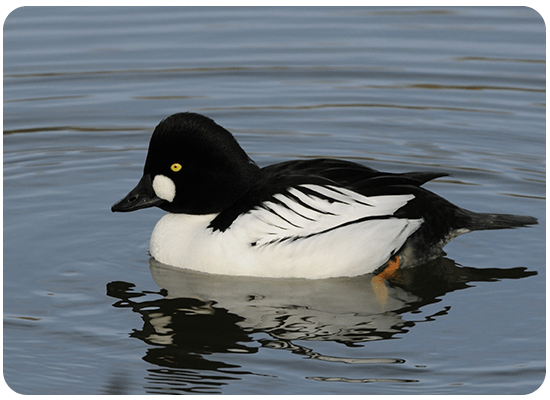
[311,237]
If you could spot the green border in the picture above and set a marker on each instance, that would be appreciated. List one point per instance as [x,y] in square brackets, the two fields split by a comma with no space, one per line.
[541,6]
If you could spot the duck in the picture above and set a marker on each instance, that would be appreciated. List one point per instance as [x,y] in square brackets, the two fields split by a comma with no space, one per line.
[307,218]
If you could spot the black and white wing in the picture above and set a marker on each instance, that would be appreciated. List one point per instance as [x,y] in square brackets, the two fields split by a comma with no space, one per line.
[315,213]
[309,210]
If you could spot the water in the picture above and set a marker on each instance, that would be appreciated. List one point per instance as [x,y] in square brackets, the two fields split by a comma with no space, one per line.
[459,90]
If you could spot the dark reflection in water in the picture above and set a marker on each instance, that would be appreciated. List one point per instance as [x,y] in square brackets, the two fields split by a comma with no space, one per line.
[199,315]
[118,384]
[180,332]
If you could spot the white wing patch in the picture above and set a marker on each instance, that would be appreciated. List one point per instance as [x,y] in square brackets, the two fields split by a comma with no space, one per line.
[309,210]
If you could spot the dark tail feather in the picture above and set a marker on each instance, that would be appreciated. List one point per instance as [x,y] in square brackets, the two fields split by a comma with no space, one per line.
[481,221]
[424,176]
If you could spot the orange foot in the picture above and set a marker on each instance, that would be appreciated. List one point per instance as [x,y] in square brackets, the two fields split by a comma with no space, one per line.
[378,281]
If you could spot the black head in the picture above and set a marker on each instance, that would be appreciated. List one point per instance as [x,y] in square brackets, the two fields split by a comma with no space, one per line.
[193,166]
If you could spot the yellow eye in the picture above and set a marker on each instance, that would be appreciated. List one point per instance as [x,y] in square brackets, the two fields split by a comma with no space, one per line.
[175,167]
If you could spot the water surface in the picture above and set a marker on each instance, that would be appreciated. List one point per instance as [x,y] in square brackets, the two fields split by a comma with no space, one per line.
[458,90]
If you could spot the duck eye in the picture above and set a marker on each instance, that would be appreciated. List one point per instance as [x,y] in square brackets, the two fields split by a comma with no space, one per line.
[175,167]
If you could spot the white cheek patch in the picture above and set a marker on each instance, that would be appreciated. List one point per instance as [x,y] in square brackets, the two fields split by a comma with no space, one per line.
[164,187]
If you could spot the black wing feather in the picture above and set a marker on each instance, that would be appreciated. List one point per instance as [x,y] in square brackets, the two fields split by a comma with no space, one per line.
[279,178]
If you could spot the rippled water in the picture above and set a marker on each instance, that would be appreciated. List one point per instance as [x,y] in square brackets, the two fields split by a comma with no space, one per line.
[460,90]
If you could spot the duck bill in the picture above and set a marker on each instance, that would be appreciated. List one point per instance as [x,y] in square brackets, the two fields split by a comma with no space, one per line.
[142,196]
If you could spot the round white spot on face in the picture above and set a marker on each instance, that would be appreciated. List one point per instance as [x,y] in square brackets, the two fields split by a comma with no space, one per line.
[164,187]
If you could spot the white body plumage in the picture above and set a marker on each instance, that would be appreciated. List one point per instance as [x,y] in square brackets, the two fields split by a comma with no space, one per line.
[312,232]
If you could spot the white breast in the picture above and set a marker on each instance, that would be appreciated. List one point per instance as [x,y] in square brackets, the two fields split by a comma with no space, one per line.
[299,234]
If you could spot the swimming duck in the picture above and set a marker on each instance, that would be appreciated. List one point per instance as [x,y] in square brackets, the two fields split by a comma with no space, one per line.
[316,218]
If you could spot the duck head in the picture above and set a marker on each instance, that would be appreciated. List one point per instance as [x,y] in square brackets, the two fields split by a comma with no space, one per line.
[193,166]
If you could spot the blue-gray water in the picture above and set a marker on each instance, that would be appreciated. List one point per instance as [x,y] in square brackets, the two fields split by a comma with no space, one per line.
[458,90]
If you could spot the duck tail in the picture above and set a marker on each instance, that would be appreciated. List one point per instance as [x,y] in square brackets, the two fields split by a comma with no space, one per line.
[482,221]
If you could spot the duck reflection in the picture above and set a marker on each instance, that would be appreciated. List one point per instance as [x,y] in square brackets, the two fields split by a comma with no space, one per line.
[197,314]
